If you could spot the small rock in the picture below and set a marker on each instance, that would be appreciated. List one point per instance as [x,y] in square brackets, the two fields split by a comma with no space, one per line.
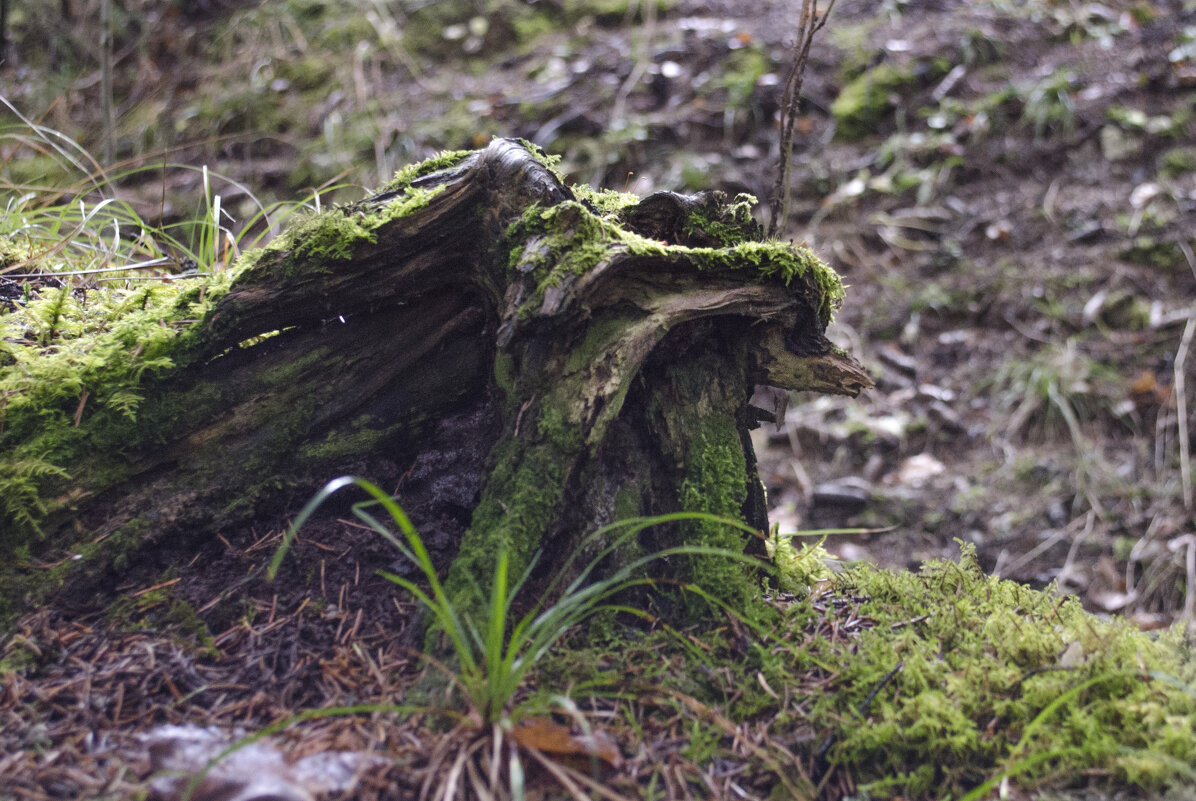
[849,493]
[917,470]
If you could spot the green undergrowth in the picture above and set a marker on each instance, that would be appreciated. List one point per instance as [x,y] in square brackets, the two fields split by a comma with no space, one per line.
[995,679]
[937,684]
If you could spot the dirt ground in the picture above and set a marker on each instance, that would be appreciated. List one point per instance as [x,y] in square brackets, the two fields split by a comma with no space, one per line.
[1012,207]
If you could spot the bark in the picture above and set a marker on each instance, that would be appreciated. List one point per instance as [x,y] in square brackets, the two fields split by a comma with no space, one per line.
[525,373]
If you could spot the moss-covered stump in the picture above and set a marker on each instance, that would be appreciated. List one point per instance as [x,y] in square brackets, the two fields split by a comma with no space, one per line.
[531,361]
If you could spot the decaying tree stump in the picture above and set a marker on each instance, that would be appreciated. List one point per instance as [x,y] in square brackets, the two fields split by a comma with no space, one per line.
[533,361]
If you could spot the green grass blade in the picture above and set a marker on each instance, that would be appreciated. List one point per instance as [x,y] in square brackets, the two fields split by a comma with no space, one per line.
[308,509]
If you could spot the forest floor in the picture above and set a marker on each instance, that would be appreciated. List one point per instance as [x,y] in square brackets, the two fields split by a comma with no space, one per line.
[1008,189]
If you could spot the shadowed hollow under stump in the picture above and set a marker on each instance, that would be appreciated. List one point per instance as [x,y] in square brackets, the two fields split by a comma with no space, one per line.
[524,361]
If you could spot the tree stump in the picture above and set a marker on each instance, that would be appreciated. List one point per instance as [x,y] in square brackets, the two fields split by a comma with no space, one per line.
[532,361]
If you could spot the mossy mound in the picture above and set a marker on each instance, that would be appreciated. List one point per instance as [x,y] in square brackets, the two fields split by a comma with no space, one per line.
[937,684]
[973,679]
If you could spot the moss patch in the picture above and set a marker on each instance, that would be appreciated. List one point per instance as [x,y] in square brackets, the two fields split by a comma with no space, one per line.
[159,611]
[921,686]
[569,239]
[79,359]
[333,235]
[716,483]
[980,666]
[406,176]
[522,497]
[867,100]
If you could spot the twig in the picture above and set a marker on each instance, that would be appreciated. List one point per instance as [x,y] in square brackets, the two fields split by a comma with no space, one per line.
[810,24]
[643,60]
[1189,613]
[825,748]
[1181,409]
[3,28]
[106,102]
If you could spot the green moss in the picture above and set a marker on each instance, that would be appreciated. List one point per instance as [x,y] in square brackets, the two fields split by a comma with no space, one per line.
[798,569]
[568,240]
[409,174]
[925,685]
[1178,161]
[81,367]
[694,414]
[731,225]
[866,101]
[605,202]
[716,483]
[522,497]
[406,204]
[562,241]
[980,662]
[600,333]
[549,161]
[330,235]
[1151,252]
[19,657]
[22,586]
[335,234]
[160,612]
[362,439]
[21,481]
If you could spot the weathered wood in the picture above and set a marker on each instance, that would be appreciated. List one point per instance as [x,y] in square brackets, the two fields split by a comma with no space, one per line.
[534,362]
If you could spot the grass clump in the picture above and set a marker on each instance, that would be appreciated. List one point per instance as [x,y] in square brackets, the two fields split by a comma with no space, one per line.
[494,652]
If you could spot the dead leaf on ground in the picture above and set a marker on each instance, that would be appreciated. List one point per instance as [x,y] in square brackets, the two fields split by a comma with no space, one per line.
[578,751]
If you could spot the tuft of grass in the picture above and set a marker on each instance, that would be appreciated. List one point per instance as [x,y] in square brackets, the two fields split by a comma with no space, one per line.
[93,295]
[1056,388]
[1050,106]
[69,217]
[495,654]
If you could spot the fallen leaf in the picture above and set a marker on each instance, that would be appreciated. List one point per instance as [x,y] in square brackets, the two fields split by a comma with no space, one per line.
[558,742]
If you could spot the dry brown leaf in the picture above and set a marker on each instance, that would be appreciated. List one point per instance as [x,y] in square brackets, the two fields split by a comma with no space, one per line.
[559,743]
